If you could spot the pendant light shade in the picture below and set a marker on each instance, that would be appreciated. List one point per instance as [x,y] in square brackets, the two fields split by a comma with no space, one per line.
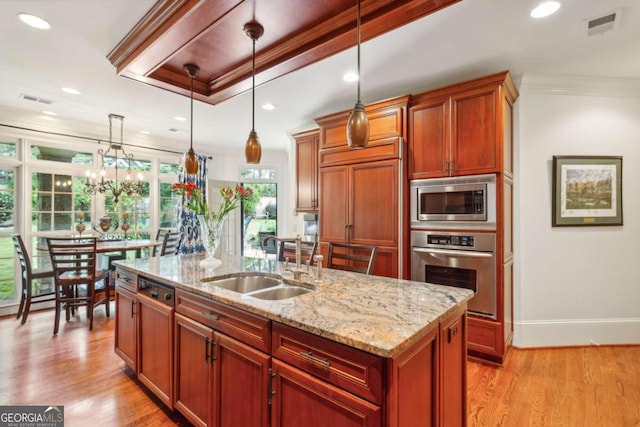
[253,150]
[191,160]
[358,124]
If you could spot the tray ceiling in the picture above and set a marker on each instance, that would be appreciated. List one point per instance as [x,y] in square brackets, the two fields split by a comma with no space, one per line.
[210,34]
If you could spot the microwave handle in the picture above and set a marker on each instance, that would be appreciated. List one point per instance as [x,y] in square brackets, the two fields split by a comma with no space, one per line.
[474,254]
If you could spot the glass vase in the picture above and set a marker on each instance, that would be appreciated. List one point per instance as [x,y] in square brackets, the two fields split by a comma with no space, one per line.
[210,233]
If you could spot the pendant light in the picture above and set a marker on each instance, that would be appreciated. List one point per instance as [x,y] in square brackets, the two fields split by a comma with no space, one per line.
[191,160]
[252,149]
[358,124]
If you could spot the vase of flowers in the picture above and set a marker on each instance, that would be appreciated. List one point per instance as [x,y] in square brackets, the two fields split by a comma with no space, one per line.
[210,222]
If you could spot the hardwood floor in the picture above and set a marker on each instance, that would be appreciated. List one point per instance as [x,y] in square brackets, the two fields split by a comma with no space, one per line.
[575,387]
[584,386]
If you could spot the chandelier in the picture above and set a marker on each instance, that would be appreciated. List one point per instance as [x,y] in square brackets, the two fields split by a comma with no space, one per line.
[128,187]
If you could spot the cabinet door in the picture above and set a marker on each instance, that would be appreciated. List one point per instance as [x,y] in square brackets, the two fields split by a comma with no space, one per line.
[374,203]
[155,347]
[453,397]
[429,138]
[241,384]
[193,370]
[474,147]
[303,400]
[307,172]
[125,336]
[334,189]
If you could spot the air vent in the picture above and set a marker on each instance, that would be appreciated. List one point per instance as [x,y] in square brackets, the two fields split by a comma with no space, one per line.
[603,24]
[36,99]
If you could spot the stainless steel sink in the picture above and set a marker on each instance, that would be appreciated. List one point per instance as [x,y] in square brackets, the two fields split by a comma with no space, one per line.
[246,284]
[281,292]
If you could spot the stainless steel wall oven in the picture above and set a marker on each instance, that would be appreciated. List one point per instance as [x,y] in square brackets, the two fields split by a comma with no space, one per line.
[463,260]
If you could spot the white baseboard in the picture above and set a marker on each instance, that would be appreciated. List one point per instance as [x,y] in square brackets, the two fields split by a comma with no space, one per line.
[576,332]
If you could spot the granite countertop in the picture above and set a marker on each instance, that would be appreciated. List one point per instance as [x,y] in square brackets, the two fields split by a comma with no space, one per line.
[375,314]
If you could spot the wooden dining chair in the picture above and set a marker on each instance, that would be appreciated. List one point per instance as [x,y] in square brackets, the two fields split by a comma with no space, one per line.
[358,258]
[78,282]
[171,243]
[31,292]
[287,250]
[160,238]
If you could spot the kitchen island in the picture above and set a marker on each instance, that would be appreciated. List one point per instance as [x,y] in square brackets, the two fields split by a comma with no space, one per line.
[351,350]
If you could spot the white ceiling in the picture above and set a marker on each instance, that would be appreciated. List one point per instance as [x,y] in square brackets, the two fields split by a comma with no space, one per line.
[467,40]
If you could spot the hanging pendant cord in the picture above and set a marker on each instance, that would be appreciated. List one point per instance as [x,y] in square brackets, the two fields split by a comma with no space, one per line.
[253,90]
[191,131]
[359,75]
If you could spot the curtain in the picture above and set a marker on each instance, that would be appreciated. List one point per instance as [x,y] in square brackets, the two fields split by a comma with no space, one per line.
[187,222]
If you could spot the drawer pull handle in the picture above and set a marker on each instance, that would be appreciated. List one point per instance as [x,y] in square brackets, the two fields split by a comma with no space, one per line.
[212,316]
[311,357]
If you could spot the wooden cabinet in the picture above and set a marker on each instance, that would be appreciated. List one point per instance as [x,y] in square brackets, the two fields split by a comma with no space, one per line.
[155,347]
[361,190]
[453,370]
[307,170]
[220,380]
[303,400]
[463,129]
[359,205]
[126,332]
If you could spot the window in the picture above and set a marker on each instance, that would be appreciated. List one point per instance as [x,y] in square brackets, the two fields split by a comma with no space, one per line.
[42,152]
[169,168]
[7,225]
[258,174]
[168,206]
[132,210]
[7,149]
[56,200]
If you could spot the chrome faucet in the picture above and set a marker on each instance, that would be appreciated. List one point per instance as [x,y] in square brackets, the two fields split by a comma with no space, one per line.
[298,272]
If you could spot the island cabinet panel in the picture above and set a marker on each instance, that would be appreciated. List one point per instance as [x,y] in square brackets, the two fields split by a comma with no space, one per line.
[464,129]
[412,381]
[155,347]
[248,328]
[193,370]
[453,370]
[348,368]
[307,170]
[126,345]
[241,384]
[301,399]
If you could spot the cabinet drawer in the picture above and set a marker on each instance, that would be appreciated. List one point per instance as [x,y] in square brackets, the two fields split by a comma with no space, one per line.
[350,369]
[127,279]
[245,327]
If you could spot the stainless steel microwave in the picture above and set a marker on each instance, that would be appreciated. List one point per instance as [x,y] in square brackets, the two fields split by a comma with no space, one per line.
[456,202]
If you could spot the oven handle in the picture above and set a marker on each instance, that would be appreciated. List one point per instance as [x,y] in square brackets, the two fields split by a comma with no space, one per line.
[471,254]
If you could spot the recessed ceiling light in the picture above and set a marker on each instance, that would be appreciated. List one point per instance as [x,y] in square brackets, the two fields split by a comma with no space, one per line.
[145,132]
[268,106]
[71,90]
[545,9]
[34,21]
[49,113]
[350,77]
[180,118]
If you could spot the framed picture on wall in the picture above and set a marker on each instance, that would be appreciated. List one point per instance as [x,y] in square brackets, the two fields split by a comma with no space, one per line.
[587,190]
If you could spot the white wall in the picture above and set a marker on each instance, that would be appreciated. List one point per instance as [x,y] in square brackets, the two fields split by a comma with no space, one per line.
[575,285]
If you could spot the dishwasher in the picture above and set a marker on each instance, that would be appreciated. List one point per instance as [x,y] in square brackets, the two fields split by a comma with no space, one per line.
[156,310]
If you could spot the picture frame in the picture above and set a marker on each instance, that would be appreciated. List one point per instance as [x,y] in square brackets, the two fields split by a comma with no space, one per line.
[587,191]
